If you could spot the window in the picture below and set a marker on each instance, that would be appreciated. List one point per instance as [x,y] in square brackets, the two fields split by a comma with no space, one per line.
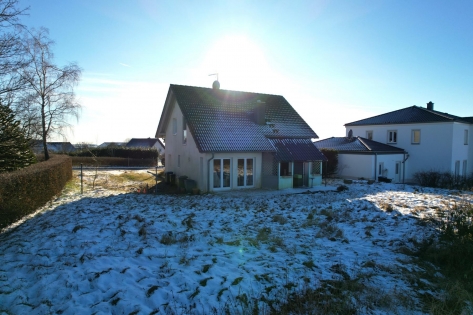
[285,169]
[392,136]
[369,135]
[316,167]
[174,126]
[184,130]
[221,173]
[245,172]
[465,137]
[415,136]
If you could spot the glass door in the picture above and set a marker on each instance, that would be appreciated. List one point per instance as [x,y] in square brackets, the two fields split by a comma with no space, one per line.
[222,173]
[245,172]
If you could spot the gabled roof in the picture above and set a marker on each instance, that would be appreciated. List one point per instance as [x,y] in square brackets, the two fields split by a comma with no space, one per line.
[468,119]
[115,144]
[296,150]
[143,143]
[37,146]
[408,115]
[356,144]
[224,121]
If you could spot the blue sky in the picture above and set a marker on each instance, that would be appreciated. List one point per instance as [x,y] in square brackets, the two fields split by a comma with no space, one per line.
[334,61]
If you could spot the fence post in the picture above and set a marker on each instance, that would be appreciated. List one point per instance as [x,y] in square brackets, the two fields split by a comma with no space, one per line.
[81,176]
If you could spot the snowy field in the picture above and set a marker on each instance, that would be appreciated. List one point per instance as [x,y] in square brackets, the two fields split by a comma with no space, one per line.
[109,253]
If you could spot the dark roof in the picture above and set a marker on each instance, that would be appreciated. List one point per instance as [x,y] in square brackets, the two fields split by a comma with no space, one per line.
[413,114]
[116,144]
[468,119]
[296,150]
[224,121]
[356,144]
[143,142]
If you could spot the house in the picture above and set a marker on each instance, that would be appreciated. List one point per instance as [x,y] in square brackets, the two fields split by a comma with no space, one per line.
[146,143]
[53,147]
[359,157]
[233,140]
[433,140]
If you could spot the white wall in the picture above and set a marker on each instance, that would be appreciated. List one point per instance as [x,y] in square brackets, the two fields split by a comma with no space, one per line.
[354,166]
[435,150]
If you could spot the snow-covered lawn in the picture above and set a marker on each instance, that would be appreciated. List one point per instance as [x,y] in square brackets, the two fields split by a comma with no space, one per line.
[108,253]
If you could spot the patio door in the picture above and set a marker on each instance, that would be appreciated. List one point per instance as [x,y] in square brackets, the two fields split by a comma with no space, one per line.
[222,173]
[397,172]
[245,173]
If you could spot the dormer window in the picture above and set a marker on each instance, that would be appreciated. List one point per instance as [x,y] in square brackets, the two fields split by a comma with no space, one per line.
[369,135]
[392,136]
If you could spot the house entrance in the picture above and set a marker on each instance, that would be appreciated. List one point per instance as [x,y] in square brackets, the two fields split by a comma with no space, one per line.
[298,174]
[397,172]
[222,173]
[245,172]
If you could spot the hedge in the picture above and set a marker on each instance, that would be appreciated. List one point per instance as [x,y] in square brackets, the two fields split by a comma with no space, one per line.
[133,153]
[22,192]
[112,161]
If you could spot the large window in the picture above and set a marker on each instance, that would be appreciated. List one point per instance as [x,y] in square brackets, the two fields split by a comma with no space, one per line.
[245,172]
[415,136]
[392,136]
[222,172]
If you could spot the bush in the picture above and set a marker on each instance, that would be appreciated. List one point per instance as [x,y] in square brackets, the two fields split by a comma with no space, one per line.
[111,161]
[446,180]
[119,152]
[331,167]
[25,190]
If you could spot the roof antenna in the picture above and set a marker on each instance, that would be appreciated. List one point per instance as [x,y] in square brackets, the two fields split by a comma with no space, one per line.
[216,84]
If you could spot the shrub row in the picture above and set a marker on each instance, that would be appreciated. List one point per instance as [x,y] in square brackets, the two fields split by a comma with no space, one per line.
[111,161]
[444,180]
[25,190]
[122,152]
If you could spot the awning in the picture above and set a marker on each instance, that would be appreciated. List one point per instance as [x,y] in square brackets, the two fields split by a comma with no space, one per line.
[300,150]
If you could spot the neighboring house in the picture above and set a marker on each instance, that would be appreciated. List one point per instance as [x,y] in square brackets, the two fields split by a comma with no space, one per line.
[363,158]
[433,140]
[112,144]
[146,143]
[232,140]
[53,147]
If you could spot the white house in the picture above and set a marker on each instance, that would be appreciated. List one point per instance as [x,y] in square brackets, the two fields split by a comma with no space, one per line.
[359,157]
[432,140]
[233,140]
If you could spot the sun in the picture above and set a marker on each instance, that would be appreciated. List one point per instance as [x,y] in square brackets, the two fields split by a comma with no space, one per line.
[239,61]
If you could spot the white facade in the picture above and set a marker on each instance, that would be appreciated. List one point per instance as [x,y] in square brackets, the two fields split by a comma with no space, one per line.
[431,146]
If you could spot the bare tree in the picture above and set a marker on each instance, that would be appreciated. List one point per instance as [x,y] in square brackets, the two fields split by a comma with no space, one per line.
[50,89]
[11,50]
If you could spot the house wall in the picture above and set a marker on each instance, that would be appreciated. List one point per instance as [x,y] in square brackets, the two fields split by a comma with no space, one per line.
[183,159]
[353,166]
[470,151]
[440,144]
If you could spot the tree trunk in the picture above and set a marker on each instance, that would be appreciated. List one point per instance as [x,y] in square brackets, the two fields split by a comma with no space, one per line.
[45,145]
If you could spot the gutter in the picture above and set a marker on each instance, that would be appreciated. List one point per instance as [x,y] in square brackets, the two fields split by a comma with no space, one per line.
[208,172]
[406,156]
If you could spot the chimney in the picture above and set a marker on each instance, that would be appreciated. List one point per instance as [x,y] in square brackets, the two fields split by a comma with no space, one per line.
[260,110]
[430,106]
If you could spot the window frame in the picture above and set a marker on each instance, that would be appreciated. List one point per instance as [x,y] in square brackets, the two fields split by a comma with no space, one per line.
[184,130]
[369,134]
[413,131]
[392,137]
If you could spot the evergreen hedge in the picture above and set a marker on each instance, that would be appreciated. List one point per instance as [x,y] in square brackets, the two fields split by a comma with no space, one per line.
[120,152]
[22,192]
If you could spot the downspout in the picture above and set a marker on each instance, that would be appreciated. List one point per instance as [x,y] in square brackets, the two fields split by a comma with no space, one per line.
[406,156]
[208,172]
[375,166]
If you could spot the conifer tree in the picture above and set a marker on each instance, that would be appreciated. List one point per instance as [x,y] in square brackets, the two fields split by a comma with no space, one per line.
[15,151]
